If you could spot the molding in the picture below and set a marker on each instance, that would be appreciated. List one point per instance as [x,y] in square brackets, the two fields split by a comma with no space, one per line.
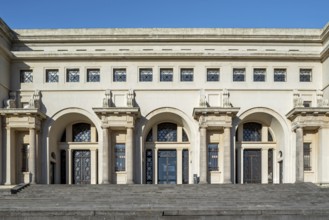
[22,112]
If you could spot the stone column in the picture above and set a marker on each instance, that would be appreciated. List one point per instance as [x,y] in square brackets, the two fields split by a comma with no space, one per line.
[299,155]
[69,166]
[240,164]
[264,166]
[203,156]
[106,156]
[155,170]
[130,155]
[8,156]
[179,166]
[32,155]
[93,166]
[227,155]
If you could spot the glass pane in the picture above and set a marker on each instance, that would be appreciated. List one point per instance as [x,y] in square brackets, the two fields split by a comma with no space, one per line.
[252,132]
[259,75]
[167,167]
[145,75]
[185,166]
[149,167]
[238,75]
[52,76]
[186,75]
[307,157]
[167,132]
[166,75]
[119,75]
[26,76]
[212,75]
[270,166]
[73,75]
[25,161]
[81,132]
[93,75]
[213,157]
[149,137]
[280,75]
[120,157]
[305,75]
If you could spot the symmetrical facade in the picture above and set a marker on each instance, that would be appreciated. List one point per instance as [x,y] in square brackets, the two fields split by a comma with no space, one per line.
[164,106]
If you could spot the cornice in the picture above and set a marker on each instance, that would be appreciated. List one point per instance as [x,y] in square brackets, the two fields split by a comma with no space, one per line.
[23,112]
[197,112]
[315,111]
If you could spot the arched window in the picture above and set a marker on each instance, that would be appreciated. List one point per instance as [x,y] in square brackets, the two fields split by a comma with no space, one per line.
[81,132]
[149,137]
[252,132]
[185,138]
[167,132]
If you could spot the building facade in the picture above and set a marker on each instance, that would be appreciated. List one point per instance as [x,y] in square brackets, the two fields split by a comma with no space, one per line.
[164,106]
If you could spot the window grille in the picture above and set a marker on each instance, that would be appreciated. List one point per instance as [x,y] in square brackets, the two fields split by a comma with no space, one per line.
[26,76]
[93,75]
[81,132]
[259,75]
[307,157]
[149,167]
[252,132]
[120,157]
[166,75]
[305,75]
[280,75]
[239,75]
[212,75]
[186,75]
[213,157]
[52,76]
[145,75]
[119,75]
[72,75]
[167,132]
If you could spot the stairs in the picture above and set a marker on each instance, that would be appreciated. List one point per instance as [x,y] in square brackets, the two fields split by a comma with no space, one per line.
[169,201]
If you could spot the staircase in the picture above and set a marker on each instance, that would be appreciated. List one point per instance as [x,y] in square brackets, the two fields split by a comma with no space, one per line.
[295,201]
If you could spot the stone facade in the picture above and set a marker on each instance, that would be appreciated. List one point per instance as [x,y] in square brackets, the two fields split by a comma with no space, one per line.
[153,106]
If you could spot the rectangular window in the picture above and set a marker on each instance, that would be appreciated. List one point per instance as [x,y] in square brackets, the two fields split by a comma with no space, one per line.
[212,75]
[26,76]
[259,75]
[185,166]
[52,76]
[239,74]
[186,75]
[212,157]
[166,75]
[120,157]
[72,75]
[305,75]
[25,160]
[307,157]
[119,75]
[280,75]
[145,75]
[93,75]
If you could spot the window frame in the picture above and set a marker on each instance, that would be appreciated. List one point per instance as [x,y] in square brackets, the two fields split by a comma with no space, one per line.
[22,77]
[114,70]
[263,74]
[212,69]
[145,69]
[88,77]
[307,167]
[280,69]
[47,77]
[120,156]
[213,157]
[244,74]
[166,69]
[310,75]
[181,74]
[67,75]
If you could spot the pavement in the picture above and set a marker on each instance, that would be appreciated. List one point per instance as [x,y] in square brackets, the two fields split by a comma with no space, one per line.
[227,201]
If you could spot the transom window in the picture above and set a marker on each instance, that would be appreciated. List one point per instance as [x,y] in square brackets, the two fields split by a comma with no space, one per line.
[305,75]
[93,75]
[120,157]
[239,74]
[166,75]
[186,75]
[52,76]
[81,132]
[280,75]
[212,75]
[119,75]
[72,75]
[252,131]
[213,157]
[167,132]
[26,76]
[145,75]
[259,75]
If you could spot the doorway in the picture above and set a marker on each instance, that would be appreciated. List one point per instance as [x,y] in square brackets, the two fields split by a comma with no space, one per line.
[167,167]
[252,166]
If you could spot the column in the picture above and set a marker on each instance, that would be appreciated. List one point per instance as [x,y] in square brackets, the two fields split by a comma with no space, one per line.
[179,166]
[203,155]
[155,170]
[106,156]
[32,156]
[93,166]
[240,164]
[299,155]
[323,155]
[264,166]
[69,166]
[8,156]
[130,155]
[227,155]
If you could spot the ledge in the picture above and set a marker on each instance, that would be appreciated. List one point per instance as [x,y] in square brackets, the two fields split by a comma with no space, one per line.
[307,111]
[22,111]
[214,111]
[117,111]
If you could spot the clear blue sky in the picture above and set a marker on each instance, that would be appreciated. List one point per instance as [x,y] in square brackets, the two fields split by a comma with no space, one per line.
[164,13]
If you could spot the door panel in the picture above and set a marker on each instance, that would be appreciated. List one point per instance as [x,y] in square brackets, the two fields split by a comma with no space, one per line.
[252,166]
[167,160]
[81,167]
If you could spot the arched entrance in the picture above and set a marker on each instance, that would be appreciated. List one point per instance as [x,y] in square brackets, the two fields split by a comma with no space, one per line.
[166,149]
[73,149]
[259,140]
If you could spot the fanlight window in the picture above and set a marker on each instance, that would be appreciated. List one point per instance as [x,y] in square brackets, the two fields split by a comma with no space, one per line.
[81,132]
[149,137]
[185,138]
[167,132]
[252,132]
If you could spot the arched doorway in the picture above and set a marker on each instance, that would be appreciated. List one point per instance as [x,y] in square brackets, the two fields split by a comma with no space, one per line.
[167,154]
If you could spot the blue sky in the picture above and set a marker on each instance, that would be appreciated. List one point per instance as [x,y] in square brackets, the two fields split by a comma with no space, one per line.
[164,13]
